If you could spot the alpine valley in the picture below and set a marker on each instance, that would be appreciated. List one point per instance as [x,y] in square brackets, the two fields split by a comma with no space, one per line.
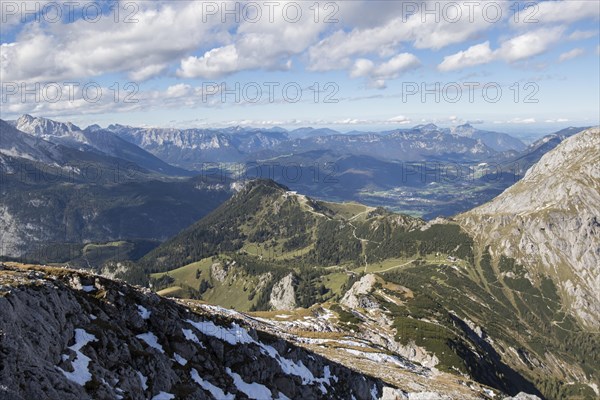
[420,263]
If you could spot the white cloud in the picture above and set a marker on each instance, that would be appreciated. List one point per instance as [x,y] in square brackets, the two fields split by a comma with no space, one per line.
[338,50]
[564,11]
[559,120]
[396,65]
[56,52]
[362,67]
[571,54]
[474,55]
[146,72]
[264,45]
[178,90]
[214,63]
[582,35]
[389,69]
[515,49]
[400,119]
[529,44]
[521,121]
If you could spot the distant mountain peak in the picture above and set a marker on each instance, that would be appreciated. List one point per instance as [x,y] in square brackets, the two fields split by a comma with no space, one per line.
[44,126]
[94,128]
[427,127]
[267,183]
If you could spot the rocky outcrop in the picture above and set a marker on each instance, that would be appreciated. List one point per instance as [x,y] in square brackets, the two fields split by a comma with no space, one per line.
[357,296]
[71,335]
[283,294]
[219,271]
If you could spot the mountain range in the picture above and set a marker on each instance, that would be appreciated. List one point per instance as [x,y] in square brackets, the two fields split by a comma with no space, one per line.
[110,164]
[279,294]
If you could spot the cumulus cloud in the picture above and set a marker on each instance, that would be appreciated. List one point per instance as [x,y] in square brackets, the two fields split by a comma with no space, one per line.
[389,69]
[568,55]
[474,55]
[515,49]
[362,67]
[338,50]
[265,45]
[552,12]
[178,90]
[48,52]
[400,119]
[529,44]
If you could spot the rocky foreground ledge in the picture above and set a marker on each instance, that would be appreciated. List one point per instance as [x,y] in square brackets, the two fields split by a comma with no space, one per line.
[67,334]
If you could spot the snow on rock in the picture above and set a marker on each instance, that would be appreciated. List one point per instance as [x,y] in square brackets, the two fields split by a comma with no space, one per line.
[144,313]
[81,374]
[216,392]
[254,391]
[428,396]
[164,396]
[522,396]
[374,393]
[143,380]
[189,335]
[151,340]
[180,360]
[234,335]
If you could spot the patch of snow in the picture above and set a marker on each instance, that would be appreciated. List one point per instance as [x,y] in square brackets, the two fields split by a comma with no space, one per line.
[144,313]
[427,396]
[216,392]
[289,367]
[374,392]
[151,340]
[189,335]
[81,374]
[164,396]
[234,335]
[88,288]
[143,380]
[254,391]
[180,360]
[93,317]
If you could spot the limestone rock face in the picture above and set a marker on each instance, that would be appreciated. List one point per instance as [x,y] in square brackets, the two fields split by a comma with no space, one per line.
[283,295]
[219,271]
[357,297]
[550,222]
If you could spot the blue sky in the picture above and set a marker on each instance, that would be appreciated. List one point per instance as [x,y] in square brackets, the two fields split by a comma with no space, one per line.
[372,63]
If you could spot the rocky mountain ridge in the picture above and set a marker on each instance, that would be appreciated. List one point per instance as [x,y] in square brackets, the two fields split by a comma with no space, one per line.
[549,221]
